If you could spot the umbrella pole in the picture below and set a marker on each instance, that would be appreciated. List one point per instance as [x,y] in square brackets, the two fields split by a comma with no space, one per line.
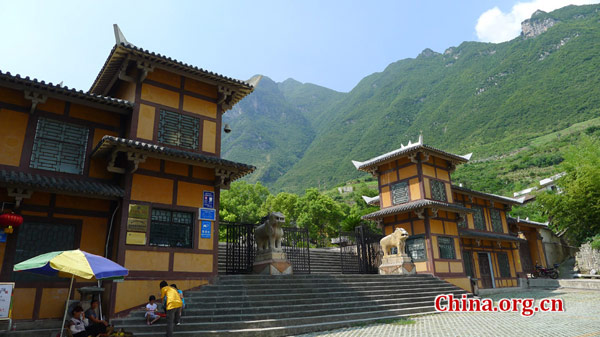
[62,330]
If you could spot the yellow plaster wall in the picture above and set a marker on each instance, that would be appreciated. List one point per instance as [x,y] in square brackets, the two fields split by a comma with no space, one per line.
[146,260]
[146,117]
[126,90]
[204,173]
[151,164]
[451,228]
[92,229]
[176,168]
[152,189]
[449,192]
[23,303]
[419,226]
[199,106]
[421,266]
[189,194]
[427,188]
[94,115]
[437,226]
[442,174]
[16,97]
[52,105]
[206,243]
[406,227]
[160,95]
[457,248]
[461,282]
[415,189]
[388,230]
[166,77]
[441,267]
[209,137]
[456,267]
[540,246]
[409,171]
[385,196]
[436,251]
[133,293]
[504,224]
[201,88]
[13,125]
[190,262]
[429,170]
[52,304]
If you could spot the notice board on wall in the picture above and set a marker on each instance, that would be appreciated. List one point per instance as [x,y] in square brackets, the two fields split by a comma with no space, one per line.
[6,291]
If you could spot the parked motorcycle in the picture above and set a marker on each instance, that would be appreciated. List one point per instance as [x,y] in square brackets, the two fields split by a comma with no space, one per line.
[545,272]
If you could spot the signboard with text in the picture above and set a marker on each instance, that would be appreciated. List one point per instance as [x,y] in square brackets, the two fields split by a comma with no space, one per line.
[208,214]
[205,230]
[6,291]
[209,199]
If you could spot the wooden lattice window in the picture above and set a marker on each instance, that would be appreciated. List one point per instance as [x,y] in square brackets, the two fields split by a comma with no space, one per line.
[446,246]
[478,219]
[415,248]
[34,239]
[178,130]
[496,220]
[468,259]
[59,146]
[400,193]
[438,191]
[171,228]
[503,264]
[462,221]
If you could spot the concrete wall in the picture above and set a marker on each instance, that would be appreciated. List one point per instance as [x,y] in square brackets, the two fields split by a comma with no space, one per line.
[587,259]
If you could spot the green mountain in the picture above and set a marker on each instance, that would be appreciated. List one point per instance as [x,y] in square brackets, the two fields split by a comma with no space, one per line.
[485,98]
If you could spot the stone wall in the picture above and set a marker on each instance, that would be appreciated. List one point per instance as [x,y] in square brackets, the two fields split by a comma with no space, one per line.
[587,259]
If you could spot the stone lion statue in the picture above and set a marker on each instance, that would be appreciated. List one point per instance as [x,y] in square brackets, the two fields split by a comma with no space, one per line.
[396,239]
[268,235]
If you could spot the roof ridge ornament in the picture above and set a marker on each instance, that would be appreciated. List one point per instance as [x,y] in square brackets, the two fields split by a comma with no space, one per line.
[119,37]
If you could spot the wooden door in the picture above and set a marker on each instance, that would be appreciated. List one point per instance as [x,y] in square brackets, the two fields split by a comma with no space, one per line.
[525,258]
[485,273]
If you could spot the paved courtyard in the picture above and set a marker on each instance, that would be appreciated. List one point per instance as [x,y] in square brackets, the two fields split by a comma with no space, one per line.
[580,318]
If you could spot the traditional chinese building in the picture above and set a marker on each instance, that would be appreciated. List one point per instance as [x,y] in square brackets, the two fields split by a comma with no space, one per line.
[455,233]
[130,169]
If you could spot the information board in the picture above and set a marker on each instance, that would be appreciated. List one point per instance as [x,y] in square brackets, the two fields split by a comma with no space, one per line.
[6,291]
[205,230]
[208,214]
[209,199]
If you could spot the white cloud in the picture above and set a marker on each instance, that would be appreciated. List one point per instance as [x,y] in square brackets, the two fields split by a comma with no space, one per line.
[496,26]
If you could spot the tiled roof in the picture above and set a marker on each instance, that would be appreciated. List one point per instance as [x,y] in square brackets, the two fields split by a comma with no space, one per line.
[33,84]
[486,235]
[415,205]
[371,200]
[108,143]
[408,149]
[38,182]
[526,221]
[119,54]
[488,195]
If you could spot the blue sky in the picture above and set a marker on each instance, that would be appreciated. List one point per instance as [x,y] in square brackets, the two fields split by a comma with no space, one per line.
[331,43]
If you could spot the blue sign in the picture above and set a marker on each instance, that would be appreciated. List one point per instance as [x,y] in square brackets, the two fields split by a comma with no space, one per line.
[209,199]
[208,214]
[205,230]
[2,237]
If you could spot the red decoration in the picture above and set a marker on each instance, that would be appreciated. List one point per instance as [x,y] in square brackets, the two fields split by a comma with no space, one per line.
[10,220]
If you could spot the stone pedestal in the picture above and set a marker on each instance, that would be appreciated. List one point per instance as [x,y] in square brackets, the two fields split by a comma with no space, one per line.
[272,263]
[397,265]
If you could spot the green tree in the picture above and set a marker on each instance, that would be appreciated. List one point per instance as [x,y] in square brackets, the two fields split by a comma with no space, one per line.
[320,214]
[243,202]
[286,203]
[576,208]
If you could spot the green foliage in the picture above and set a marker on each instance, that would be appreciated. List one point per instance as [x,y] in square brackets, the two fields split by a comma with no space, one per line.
[286,203]
[595,242]
[243,202]
[320,214]
[577,207]
[532,210]
[490,99]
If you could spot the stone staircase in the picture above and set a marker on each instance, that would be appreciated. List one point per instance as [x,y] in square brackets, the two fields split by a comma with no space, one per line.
[322,260]
[252,305]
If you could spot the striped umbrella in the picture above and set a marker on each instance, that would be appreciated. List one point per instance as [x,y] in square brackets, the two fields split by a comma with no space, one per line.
[71,263]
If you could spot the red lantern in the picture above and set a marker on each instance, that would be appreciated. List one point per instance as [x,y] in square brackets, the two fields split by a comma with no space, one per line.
[10,220]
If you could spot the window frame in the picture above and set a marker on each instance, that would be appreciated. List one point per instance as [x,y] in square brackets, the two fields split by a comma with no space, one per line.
[431,188]
[414,238]
[507,266]
[499,219]
[480,210]
[451,240]
[405,181]
[467,256]
[193,227]
[161,131]
[40,138]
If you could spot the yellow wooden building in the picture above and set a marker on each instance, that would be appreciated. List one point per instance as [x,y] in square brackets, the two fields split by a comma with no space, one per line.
[122,170]
[455,233]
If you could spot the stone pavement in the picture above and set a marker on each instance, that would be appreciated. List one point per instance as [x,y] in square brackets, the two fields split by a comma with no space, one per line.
[580,318]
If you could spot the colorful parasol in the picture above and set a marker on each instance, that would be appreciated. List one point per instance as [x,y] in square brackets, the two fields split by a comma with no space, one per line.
[71,263]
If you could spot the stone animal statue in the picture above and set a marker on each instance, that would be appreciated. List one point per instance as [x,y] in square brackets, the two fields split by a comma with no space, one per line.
[396,239]
[268,235]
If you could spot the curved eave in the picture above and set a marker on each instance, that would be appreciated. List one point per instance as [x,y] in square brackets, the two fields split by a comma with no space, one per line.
[489,196]
[369,165]
[471,234]
[120,52]
[416,206]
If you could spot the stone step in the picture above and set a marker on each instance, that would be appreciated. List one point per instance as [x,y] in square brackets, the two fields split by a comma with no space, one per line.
[282,286]
[282,306]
